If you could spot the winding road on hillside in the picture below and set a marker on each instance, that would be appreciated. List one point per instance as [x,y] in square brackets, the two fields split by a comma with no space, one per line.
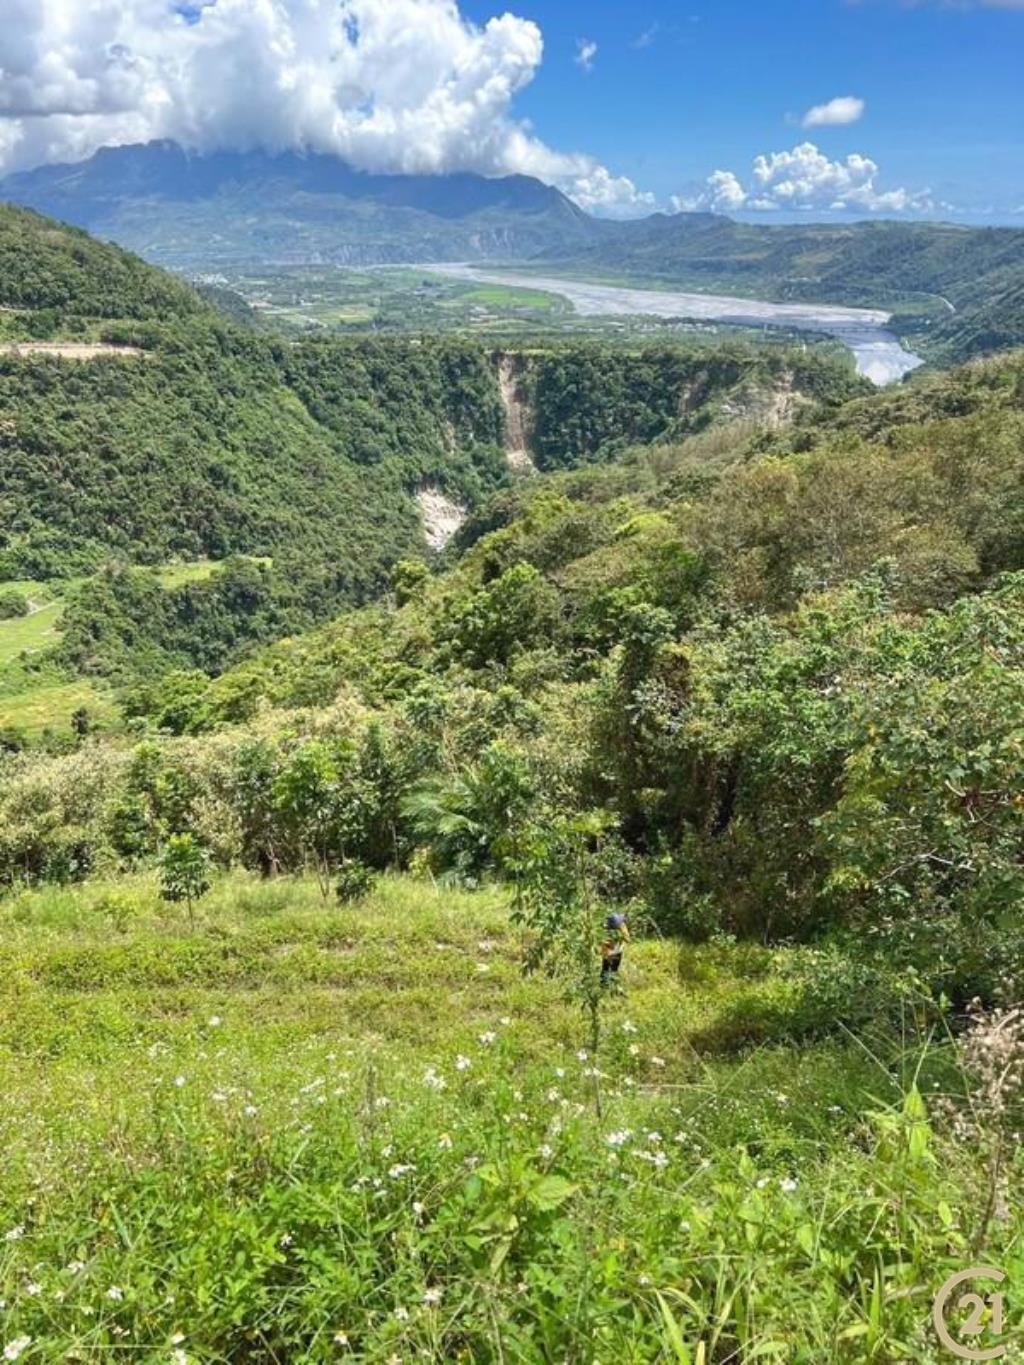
[878,352]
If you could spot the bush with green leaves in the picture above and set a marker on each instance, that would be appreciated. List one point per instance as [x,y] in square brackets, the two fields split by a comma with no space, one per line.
[184,872]
[12,603]
[354,881]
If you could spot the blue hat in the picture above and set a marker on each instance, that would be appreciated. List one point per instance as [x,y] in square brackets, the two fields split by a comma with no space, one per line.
[615,921]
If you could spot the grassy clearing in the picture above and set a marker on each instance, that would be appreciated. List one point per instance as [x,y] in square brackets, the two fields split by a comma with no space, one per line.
[192,571]
[33,701]
[30,634]
[296,1132]
[505,297]
[50,705]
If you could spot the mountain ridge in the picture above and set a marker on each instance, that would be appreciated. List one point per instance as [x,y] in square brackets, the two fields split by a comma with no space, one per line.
[160,199]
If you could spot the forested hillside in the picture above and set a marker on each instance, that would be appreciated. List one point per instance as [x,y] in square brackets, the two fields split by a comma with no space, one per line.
[46,265]
[184,438]
[749,652]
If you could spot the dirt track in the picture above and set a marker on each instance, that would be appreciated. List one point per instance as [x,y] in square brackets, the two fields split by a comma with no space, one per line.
[67,350]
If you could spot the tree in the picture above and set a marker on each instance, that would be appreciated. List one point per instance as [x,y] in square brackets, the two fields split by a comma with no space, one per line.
[322,803]
[184,872]
[557,895]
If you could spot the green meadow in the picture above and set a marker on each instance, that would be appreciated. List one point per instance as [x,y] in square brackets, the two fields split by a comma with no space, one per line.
[295,1131]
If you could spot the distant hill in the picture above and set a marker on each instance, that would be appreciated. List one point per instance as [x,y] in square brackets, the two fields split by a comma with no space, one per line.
[203,211]
[801,262]
[927,274]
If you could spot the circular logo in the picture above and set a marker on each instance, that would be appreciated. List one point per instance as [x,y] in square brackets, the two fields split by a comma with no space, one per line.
[984,1313]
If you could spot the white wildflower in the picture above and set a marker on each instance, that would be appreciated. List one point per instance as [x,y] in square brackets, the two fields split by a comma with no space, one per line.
[341,1338]
[618,1139]
[582,1055]
[399,1169]
[628,1026]
[657,1061]
[33,1290]
[444,1142]
[401,1315]
[214,1021]
[14,1348]
[432,1297]
[432,1080]
[462,1063]
[488,1038]
[116,1293]
[15,1234]
[286,1240]
[787,1186]
[546,1151]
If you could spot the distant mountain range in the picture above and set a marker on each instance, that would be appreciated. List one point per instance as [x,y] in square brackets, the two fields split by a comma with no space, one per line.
[956,290]
[230,208]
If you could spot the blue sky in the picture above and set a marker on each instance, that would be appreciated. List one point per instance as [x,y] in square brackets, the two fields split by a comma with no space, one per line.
[676,91]
[626,105]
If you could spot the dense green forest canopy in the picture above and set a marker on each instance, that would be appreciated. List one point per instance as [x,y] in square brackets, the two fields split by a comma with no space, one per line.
[49,265]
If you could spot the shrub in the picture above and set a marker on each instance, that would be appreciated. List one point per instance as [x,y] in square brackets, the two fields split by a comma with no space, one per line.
[12,604]
[355,881]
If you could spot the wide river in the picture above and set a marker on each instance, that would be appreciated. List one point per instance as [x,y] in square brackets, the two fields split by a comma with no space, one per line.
[879,354]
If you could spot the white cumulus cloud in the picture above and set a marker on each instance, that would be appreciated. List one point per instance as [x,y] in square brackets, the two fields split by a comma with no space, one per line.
[389,85]
[804,178]
[842,110]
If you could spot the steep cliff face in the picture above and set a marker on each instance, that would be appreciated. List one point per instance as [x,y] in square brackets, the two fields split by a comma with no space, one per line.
[518,413]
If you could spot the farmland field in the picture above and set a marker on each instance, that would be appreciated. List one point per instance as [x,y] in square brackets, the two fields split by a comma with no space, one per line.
[297,1132]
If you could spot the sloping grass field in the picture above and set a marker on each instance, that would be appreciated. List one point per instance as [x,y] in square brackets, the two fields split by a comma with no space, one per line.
[300,1132]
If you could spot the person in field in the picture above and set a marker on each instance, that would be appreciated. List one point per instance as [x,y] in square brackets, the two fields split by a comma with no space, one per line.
[616,938]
